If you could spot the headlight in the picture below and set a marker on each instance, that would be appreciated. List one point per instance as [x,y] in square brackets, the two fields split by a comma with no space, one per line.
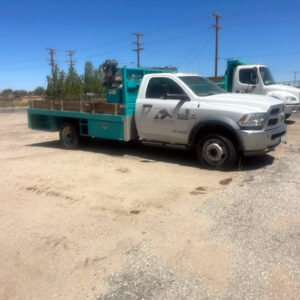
[252,121]
[290,98]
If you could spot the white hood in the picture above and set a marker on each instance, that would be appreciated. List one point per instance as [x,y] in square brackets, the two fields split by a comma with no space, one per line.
[282,91]
[251,103]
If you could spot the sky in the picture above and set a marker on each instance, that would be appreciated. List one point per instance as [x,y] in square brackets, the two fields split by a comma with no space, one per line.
[177,33]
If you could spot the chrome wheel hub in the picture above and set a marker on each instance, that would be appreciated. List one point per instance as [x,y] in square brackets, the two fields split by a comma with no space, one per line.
[214,151]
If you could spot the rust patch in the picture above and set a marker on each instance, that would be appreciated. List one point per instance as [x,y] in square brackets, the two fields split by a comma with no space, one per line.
[123,170]
[200,188]
[225,181]
[135,212]
[196,193]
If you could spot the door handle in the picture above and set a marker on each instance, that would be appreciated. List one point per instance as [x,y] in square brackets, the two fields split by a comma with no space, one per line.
[147,105]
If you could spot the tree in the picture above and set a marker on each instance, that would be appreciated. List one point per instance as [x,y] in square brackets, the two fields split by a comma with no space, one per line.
[91,79]
[20,93]
[52,91]
[61,85]
[7,92]
[38,91]
[73,85]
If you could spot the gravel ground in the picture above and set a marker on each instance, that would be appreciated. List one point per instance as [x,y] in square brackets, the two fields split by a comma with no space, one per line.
[116,222]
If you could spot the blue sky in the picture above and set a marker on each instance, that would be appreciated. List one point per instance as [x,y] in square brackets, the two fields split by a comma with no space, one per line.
[176,33]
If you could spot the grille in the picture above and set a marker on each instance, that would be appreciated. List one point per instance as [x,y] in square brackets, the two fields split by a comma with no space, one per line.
[275,111]
[272,122]
[276,117]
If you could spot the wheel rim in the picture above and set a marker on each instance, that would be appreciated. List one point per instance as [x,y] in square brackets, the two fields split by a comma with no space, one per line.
[215,152]
[68,136]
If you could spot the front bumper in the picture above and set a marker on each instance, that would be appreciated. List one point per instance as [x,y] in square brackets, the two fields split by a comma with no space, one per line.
[291,108]
[261,141]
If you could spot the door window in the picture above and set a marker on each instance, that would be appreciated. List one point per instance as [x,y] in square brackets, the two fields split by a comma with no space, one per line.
[248,76]
[159,88]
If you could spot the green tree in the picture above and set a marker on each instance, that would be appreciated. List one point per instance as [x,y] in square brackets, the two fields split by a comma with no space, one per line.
[20,93]
[7,92]
[91,79]
[52,86]
[61,85]
[73,85]
[38,91]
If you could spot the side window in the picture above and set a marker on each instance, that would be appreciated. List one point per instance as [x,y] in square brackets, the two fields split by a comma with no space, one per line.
[159,88]
[248,76]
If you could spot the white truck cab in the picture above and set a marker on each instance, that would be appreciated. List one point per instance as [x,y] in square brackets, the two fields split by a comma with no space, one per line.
[191,110]
[257,79]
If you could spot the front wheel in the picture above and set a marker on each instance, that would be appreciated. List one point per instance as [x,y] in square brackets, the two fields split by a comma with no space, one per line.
[216,151]
[69,137]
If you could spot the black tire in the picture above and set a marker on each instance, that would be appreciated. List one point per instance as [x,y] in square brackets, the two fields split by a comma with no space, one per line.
[287,116]
[69,137]
[217,152]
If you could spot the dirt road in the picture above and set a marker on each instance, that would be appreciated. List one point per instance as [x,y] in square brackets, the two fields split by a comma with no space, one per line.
[118,221]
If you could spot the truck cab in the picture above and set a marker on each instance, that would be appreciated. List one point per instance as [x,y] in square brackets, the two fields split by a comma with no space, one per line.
[257,79]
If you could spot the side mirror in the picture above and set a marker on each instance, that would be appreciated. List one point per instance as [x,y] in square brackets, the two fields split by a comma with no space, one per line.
[182,97]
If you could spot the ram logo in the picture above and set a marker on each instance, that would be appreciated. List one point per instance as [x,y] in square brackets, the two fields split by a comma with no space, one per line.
[163,114]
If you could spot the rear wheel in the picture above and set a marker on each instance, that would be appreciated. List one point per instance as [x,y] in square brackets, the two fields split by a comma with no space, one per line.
[69,137]
[216,151]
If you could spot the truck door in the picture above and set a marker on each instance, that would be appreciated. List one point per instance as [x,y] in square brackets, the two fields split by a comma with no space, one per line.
[164,113]
[246,81]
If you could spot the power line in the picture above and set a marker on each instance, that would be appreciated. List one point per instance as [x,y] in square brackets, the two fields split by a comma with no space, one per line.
[295,77]
[217,27]
[138,48]
[203,46]
[266,55]
[70,54]
[51,59]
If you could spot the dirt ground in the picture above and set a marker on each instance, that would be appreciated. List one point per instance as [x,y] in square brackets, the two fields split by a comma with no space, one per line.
[70,221]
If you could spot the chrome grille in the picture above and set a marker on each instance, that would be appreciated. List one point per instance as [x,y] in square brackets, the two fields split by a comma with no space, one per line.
[275,117]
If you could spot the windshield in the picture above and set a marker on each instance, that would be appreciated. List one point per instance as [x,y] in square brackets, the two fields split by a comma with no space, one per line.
[266,75]
[201,86]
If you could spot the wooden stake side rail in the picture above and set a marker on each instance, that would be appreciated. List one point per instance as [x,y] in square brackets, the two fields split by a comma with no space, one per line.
[78,106]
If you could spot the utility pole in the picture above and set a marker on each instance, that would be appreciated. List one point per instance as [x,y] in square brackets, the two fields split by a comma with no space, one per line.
[138,48]
[295,77]
[217,16]
[51,59]
[70,54]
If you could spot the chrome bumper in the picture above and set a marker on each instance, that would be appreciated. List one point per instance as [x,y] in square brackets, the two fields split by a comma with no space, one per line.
[291,108]
[261,141]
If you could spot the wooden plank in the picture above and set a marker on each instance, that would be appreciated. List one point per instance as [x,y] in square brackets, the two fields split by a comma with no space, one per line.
[41,104]
[71,105]
[107,108]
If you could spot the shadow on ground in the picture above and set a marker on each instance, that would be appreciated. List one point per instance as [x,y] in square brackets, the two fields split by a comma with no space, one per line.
[290,122]
[154,153]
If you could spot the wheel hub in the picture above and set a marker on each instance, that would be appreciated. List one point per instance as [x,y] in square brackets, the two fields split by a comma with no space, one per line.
[214,152]
[67,135]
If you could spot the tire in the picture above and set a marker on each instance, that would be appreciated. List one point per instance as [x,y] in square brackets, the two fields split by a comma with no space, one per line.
[217,152]
[69,137]
[287,116]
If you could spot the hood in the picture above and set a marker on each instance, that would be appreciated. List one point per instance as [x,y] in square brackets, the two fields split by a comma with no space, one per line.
[282,87]
[244,102]
[281,91]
